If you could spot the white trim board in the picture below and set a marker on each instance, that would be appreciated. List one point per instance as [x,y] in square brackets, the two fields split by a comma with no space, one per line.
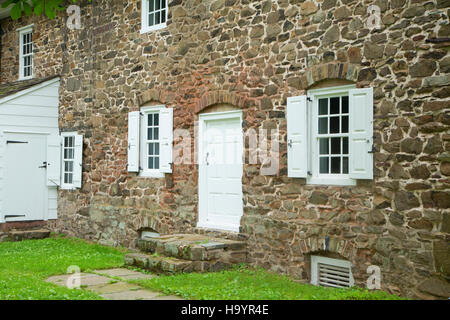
[28,90]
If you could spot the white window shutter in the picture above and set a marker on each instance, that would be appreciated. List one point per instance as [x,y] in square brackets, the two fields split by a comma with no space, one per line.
[53,160]
[296,117]
[361,133]
[78,162]
[133,140]
[166,139]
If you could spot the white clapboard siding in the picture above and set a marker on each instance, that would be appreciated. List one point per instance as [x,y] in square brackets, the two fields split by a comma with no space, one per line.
[33,110]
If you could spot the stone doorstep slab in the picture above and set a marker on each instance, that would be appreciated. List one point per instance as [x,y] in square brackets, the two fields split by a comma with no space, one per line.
[189,247]
[18,235]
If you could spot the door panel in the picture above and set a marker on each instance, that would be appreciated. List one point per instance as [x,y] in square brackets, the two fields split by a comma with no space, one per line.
[25,188]
[221,172]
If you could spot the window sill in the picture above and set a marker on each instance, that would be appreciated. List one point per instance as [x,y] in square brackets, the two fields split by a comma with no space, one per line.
[25,78]
[153,28]
[331,181]
[151,174]
[67,187]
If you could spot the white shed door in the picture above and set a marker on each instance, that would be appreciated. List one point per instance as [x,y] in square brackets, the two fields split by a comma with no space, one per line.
[25,182]
[221,204]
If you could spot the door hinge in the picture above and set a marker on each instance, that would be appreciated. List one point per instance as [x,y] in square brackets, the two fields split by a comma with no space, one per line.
[11,141]
[373,149]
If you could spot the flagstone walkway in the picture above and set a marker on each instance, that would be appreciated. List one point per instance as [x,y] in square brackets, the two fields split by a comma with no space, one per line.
[111,284]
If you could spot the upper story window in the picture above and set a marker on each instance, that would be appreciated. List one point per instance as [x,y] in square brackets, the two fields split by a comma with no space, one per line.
[154,15]
[330,135]
[26,53]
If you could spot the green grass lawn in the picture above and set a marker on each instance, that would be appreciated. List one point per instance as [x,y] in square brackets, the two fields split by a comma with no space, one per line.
[244,283]
[25,265]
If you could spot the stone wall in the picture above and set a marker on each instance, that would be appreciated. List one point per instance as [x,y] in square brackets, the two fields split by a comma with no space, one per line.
[253,55]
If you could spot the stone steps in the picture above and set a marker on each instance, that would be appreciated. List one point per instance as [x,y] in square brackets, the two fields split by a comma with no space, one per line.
[19,235]
[187,253]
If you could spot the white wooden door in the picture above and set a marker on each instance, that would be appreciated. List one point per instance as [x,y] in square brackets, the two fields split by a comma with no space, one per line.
[25,177]
[221,204]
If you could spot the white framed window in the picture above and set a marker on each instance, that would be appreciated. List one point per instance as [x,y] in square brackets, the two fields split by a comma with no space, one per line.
[150,135]
[71,160]
[150,143]
[330,135]
[154,15]
[68,157]
[26,53]
[331,272]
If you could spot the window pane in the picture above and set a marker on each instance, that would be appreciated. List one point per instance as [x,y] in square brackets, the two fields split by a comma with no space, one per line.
[345,124]
[156,119]
[345,146]
[150,162]
[156,134]
[334,105]
[163,16]
[324,165]
[149,134]
[345,165]
[163,4]
[335,145]
[344,104]
[323,106]
[334,125]
[150,120]
[323,125]
[336,165]
[150,149]
[158,17]
[157,163]
[157,6]
[151,6]
[324,146]
[70,176]
[150,19]
[156,148]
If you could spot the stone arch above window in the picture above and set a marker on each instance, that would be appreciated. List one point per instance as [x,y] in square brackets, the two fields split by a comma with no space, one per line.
[220,97]
[345,248]
[344,73]
[154,95]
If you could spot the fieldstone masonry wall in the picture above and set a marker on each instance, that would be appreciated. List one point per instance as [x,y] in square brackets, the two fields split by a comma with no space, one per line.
[253,55]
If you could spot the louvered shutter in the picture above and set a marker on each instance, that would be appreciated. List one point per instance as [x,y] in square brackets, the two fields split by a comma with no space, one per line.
[133,141]
[296,117]
[166,139]
[361,133]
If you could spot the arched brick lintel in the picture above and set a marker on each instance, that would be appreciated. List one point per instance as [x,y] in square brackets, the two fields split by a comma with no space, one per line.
[328,71]
[345,248]
[155,95]
[211,98]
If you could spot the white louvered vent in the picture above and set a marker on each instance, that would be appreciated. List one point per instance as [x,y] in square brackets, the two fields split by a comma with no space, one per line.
[331,272]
